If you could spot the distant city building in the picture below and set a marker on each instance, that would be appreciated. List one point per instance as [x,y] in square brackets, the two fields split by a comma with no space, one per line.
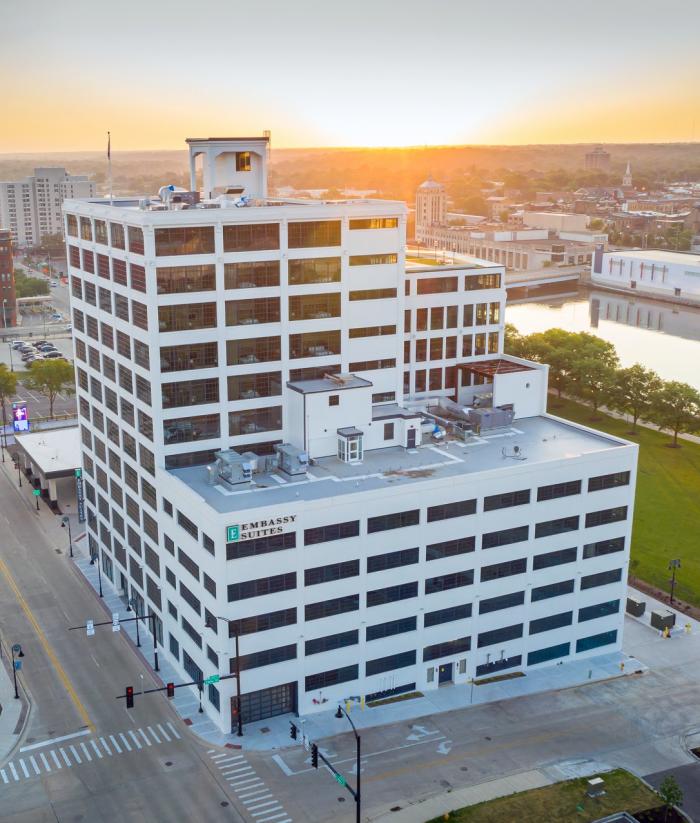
[598,159]
[8,316]
[31,208]
[431,206]
[627,177]
[653,272]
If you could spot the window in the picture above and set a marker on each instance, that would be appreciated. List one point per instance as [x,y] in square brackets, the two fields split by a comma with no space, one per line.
[184,240]
[384,397]
[138,277]
[447,649]
[251,421]
[373,259]
[608,481]
[190,393]
[374,223]
[447,615]
[559,526]
[500,635]
[550,653]
[507,569]
[393,627]
[602,547]
[590,581]
[397,520]
[252,312]
[372,294]
[119,271]
[262,586]
[604,516]
[503,601]
[372,331]
[448,510]
[256,350]
[559,490]
[135,235]
[449,548]
[190,599]
[595,641]
[314,270]
[188,563]
[334,400]
[180,279]
[392,560]
[266,657]
[482,281]
[263,622]
[191,429]
[252,274]
[331,573]
[314,306]
[188,316]
[552,621]
[313,234]
[260,545]
[505,537]
[556,558]
[334,531]
[330,642]
[436,285]
[333,677]
[392,594]
[445,582]
[390,663]
[506,500]
[192,634]
[331,608]
[251,237]
[371,365]
[552,590]
[190,356]
[243,161]
[599,610]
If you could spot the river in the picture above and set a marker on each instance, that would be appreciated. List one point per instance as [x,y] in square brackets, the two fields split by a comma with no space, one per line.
[658,335]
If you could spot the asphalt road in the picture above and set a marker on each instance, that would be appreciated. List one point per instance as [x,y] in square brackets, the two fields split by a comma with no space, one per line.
[688,778]
[72,681]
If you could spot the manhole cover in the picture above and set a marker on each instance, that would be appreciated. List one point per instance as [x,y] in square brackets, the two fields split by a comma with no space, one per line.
[224,803]
[463,769]
[487,738]
[341,800]
[58,551]
[168,762]
[395,809]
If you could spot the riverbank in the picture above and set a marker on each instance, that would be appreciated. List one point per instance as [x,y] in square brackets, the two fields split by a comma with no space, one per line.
[667,508]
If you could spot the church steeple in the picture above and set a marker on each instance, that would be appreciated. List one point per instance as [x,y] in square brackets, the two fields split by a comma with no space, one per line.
[627,177]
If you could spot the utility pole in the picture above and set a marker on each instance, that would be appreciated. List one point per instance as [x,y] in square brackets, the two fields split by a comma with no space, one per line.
[673,565]
[233,630]
[16,664]
[65,521]
[358,752]
[93,558]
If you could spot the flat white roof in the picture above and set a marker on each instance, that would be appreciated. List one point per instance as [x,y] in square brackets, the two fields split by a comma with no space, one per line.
[53,451]
[685,258]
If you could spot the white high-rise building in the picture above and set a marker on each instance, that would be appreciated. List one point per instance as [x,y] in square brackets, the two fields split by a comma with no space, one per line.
[290,439]
[31,208]
[431,208]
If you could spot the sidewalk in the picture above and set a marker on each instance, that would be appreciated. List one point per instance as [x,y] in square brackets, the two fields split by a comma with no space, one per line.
[13,712]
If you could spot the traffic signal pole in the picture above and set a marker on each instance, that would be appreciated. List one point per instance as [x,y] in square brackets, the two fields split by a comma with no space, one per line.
[130,620]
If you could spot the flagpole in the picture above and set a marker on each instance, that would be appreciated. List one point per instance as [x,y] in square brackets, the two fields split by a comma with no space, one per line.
[109,161]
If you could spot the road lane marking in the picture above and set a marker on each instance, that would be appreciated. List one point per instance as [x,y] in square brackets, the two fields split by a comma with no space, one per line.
[125,742]
[164,733]
[155,736]
[24,767]
[253,800]
[265,803]
[55,759]
[251,790]
[272,817]
[135,739]
[145,736]
[14,771]
[5,779]
[107,749]
[115,744]
[35,765]
[54,740]
[173,729]
[87,753]
[75,754]
[97,751]
[45,762]
[46,646]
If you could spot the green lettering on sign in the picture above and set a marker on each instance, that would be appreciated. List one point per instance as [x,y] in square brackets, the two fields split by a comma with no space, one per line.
[214,678]
[36,492]
[232,533]
[340,779]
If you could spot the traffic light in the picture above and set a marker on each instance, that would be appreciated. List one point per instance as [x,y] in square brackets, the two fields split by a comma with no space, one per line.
[170,688]
[293,731]
[314,755]
[129,697]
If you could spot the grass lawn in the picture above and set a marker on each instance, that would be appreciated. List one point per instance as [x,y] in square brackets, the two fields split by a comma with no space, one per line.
[425,261]
[558,802]
[667,508]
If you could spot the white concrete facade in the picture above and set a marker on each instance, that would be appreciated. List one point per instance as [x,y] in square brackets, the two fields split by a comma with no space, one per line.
[654,272]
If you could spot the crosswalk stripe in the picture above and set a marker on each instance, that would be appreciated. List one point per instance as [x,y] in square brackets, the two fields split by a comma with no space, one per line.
[173,729]
[24,767]
[239,772]
[66,758]
[135,739]
[259,802]
[220,763]
[55,759]
[34,764]
[5,778]
[116,745]
[261,796]
[209,751]
[107,749]
[254,791]
[165,734]
[265,808]
[13,770]
[271,817]
[86,752]
[237,783]
[235,779]
[155,736]
[145,736]
[125,742]
[97,751]
[44,761]
[75,754]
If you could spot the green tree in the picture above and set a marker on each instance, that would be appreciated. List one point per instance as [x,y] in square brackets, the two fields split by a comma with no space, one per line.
[670,793]
[596,224]
[634,392]
[51,377]
[595,381]
[676,408]
[8,389]
[29,286]
[515,343]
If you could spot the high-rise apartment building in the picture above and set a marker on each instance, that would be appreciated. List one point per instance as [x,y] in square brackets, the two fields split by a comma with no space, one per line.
[8,299]
[289,439]
[31,208]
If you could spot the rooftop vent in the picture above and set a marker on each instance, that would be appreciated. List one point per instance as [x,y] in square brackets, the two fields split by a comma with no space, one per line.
[291,460]
[230,470]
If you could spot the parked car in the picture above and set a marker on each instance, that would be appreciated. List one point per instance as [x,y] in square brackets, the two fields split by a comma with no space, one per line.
[69,327]
[29,354]
[52,355]
[56,316]
[46,347]
[40,342]
[26,349]
[17,343]
[32,358]
[53,284]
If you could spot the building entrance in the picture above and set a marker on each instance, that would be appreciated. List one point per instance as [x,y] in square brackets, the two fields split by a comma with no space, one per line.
[445,673]
[266,703]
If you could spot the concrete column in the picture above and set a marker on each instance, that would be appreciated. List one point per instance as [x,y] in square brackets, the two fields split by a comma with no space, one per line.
[193,171]
[53,494]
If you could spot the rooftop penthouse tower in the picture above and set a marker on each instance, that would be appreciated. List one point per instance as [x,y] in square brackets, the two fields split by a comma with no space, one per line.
[284,428]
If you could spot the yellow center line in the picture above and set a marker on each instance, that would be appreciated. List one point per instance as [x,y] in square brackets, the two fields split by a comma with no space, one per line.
[47,648]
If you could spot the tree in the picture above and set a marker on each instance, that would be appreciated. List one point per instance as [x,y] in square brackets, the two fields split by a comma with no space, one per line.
[8,389]
[51,377]
[676,408]
[595,381]
[635,391]
[671,793]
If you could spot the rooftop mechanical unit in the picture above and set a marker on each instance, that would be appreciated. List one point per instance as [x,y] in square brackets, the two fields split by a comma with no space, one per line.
[291,460]
[499,417]
[230,470]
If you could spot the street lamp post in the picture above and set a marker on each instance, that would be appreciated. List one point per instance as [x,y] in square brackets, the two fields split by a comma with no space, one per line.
[12,362]
[96,558]
[673,565]
[65,521]
[16,650]
[232,628]
[135,606]
[358,748]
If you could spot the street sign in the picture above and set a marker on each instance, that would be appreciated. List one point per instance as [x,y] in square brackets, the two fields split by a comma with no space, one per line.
[16,648]
[78,472]
[340,779]
[233,533]
[115,622]
[80,495]
[90,626]
[36,492]
[18,665]
[214,678]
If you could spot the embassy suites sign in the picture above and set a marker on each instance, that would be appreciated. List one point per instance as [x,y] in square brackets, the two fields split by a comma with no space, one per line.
[259,528]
